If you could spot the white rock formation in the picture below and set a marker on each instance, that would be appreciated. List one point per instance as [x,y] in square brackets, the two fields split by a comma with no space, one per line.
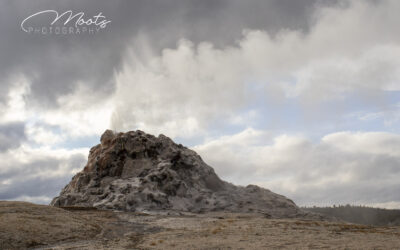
[135,171]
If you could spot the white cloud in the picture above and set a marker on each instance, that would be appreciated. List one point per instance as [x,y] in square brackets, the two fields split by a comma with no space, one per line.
[389,115]
[369,143]
[43,136]
[33,199]
[388,205]
[80,114]
[179,92]
[344,167]
[15,108]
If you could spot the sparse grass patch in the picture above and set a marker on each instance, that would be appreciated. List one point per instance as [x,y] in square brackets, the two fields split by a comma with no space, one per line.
[216,230]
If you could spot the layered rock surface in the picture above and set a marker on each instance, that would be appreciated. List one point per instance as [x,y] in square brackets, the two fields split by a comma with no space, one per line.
[135,171]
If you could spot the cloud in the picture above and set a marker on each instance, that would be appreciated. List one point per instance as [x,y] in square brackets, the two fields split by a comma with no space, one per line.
[56,69]
[11,135]
[37,174]
[389,115]
[178,92]
[343,167]
[365,143]
[79,115]
[33,199]
[55,65]
[182,90]
[136,71]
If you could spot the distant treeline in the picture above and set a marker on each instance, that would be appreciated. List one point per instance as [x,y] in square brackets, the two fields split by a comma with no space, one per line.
[361,214]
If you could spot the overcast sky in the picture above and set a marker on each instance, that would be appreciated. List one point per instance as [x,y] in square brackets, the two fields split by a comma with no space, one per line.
[300,97]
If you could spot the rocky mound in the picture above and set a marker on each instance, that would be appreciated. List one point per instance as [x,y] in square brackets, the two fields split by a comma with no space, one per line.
[135,171]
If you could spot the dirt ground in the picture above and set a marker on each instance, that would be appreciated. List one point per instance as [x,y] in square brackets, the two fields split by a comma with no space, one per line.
[25,225]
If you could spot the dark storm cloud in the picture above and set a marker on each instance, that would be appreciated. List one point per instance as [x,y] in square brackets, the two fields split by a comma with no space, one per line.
[54,64]
[11,135]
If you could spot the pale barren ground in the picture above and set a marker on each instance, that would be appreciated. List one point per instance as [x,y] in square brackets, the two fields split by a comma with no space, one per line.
[24,225]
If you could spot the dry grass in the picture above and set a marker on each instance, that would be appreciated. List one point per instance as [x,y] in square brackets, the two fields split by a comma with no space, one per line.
[24,225]
[216,230]
[27,225]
